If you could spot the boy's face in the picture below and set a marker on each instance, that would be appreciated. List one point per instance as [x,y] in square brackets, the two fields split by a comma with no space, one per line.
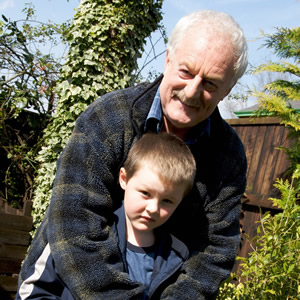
[148,202]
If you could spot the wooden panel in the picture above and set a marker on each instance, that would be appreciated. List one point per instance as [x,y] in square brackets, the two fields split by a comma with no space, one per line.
[263,159]
[249,226]
[10,266]
[265,162]
[282,163]
[258,201]
[8,283]
[254,166]
[253,121]
[272,158]
[260,137]
[15,222]
[12,251]
[14,237]
[249,223]
[249,141]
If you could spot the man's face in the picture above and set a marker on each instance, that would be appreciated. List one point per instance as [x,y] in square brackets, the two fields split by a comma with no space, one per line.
[197,76]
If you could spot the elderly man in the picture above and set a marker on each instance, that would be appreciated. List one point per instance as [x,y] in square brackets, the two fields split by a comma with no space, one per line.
[207,54]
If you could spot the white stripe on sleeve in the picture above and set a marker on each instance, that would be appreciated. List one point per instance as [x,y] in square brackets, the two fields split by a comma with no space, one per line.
[27,285]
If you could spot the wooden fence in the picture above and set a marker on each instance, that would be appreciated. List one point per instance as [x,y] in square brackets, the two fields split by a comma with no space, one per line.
[261,137]
[15,226]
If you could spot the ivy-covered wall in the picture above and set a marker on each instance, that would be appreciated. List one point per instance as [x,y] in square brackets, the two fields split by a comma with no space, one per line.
[105,38]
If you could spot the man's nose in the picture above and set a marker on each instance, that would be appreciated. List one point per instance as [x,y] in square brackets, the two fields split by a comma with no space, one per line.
[194,88]
[152,206]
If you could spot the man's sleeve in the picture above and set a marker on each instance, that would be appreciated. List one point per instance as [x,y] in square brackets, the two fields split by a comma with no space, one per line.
[203,272]
[84,248]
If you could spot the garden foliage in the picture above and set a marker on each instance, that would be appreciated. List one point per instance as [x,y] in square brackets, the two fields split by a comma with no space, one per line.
[272,270]
[105,39]
[27,99]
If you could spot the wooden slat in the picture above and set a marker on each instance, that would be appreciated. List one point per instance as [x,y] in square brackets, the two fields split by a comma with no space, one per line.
[16,222]
[272,158]
[12,266]
[263,159]
[254,166]
[242,132]
[8,283]
[258,201]
[249,224]
[253,121]
[27,208]
[14,237]
[12,251]
[249,142]
[283,163]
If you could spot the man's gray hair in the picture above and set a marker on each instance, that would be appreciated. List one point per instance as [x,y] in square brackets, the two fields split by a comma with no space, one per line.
[217,22]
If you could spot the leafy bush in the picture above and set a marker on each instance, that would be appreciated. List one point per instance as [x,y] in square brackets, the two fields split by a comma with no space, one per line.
[27,81]
[272,269]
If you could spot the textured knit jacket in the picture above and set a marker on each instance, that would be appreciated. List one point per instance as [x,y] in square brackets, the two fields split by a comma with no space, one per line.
[81,209]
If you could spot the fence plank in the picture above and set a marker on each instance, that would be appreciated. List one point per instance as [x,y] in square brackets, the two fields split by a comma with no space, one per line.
[10,266]
[8,283]
[9,221]
[12,251]
[14,237]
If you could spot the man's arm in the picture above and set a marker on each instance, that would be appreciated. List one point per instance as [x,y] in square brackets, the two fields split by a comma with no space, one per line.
[215,239]
[84,249]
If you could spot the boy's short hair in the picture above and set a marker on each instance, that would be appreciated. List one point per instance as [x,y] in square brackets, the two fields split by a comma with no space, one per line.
[167,155]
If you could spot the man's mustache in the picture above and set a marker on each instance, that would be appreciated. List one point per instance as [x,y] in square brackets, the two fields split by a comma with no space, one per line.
[193,102]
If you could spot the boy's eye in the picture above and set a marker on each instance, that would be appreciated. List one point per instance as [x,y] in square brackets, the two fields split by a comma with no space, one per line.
[146,194]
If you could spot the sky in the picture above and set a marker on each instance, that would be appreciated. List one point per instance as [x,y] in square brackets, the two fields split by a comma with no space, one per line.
[254,16]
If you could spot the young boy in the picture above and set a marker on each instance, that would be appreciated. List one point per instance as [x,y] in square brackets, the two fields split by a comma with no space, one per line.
[158,172]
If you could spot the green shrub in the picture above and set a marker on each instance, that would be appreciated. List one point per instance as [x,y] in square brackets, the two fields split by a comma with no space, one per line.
[272,269]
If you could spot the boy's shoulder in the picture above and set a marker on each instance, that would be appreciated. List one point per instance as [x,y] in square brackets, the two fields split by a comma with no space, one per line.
[172,243]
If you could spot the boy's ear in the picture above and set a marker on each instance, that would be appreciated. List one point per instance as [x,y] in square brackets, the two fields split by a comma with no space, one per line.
[122,178]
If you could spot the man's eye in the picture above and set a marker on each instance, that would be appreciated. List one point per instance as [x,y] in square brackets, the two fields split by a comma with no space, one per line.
[184,73]
[210,86]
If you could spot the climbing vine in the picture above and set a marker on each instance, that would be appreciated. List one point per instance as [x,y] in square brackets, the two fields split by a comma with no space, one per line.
[105,39]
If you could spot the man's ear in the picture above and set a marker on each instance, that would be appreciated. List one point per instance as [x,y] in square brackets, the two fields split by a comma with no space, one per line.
[167,59]
[122,178]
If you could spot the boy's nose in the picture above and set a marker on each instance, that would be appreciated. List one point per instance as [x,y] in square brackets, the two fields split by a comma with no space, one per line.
[152,206]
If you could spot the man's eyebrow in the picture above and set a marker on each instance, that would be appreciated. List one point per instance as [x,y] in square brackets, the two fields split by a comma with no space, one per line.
[186,63]
[214,78]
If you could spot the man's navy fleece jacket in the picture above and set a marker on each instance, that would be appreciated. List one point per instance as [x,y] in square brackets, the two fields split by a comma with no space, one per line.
[85,250]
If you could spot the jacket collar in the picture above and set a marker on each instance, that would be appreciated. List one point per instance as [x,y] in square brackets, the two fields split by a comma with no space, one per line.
[166,240]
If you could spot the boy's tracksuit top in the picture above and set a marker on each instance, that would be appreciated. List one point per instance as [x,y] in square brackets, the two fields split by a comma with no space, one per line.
[43,282]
